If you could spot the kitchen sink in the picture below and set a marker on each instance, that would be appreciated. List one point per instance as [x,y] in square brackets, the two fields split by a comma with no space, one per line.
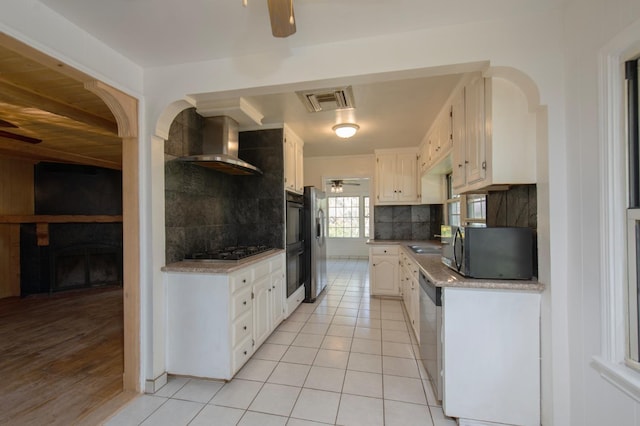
[425,249]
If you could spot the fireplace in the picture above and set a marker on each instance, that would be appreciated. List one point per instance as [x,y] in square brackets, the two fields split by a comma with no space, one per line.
[84,266]
[75,254]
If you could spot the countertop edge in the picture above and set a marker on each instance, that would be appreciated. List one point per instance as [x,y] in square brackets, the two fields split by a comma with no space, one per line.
[442,276]
[203,267]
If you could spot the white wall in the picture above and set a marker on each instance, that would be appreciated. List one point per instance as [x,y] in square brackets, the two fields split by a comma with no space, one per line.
[318,169]
[590,26]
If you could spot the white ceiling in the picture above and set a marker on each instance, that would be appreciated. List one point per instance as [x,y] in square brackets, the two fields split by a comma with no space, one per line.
[163,32]
[391,113]
[394,113]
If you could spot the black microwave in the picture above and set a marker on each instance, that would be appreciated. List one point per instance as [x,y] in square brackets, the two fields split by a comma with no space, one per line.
[489,253]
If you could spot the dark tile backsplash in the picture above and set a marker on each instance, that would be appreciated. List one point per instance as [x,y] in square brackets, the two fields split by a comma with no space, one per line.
[206,209]
[515,207]
[419,222]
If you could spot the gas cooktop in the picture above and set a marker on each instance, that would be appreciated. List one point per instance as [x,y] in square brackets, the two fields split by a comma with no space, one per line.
[226,254]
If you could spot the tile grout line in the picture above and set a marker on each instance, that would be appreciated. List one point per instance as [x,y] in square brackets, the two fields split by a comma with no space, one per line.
[354,286]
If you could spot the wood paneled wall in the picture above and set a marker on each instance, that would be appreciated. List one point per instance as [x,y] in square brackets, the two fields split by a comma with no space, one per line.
[16,197]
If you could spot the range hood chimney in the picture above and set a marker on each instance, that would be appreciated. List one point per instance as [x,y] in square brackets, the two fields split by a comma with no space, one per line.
[220,148]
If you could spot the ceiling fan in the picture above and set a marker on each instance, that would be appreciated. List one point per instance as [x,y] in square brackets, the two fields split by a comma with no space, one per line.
[15,136]
[336,184]
[283,22]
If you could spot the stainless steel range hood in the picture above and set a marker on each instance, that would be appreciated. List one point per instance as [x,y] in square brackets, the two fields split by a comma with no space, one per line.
[220,148]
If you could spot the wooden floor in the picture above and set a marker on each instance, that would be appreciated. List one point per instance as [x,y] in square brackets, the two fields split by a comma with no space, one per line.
[60,357]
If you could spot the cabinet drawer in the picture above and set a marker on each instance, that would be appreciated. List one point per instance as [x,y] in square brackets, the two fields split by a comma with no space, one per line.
[240,279]
[241,354]
[277,263]
[241,328]
[261,270]
[241,302]
[412,269]
[384,250]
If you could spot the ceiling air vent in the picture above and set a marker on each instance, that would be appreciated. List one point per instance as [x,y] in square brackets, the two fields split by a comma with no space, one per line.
[327,99]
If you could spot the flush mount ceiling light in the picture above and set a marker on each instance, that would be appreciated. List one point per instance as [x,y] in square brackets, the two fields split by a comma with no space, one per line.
[345,130]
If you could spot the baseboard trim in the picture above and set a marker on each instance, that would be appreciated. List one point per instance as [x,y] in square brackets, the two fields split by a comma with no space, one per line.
[152,386]
[364,257]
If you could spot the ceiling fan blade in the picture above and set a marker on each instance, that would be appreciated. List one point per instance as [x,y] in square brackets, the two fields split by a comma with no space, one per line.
[283,22]
[21,138]
[7,124]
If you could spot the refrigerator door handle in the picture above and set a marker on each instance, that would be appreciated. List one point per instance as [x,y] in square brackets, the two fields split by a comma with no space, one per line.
[319,223]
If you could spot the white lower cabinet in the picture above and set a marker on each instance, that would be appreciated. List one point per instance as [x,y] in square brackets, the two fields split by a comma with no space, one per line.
[215,321]
[295,300]
[278,296]
[491,356]
[262,306]
[409,273]
[384,271]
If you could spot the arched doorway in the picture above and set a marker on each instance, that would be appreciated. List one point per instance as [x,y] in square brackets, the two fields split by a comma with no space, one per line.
[124,108]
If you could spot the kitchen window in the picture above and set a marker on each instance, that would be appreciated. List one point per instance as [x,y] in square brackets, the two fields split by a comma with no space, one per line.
[349,216]
[464,210]
[476,210]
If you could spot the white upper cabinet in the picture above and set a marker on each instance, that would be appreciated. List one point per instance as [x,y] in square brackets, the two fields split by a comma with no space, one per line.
[435,151]
[459,137]
[438,141]
[397,176]
[293,162]
[497,148]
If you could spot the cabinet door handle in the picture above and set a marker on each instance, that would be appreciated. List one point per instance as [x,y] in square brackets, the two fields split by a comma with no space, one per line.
[244,303]
[244,280]
[273,287]
[244,328]
[245,352]
[269,290]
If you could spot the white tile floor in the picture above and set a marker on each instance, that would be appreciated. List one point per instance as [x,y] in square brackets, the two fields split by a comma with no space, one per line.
[347,359]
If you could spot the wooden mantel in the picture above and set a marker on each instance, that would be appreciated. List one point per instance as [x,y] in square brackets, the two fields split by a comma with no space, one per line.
[63,218]
[42,222]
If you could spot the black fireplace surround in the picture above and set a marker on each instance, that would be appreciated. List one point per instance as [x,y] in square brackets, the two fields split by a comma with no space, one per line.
[79,255]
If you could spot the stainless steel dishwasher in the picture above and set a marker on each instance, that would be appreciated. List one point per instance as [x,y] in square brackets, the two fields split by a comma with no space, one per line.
[431,332]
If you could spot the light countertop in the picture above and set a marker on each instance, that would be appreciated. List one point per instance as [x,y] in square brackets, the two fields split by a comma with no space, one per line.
[442,276]
[219,267]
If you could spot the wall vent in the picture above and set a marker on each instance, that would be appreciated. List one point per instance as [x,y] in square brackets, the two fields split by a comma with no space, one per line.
[327,99]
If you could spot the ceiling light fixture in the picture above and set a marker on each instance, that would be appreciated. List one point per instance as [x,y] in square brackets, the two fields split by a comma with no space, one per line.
[345,130]
[336,186]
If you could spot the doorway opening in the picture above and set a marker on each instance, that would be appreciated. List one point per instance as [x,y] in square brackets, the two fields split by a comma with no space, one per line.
[65,340]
